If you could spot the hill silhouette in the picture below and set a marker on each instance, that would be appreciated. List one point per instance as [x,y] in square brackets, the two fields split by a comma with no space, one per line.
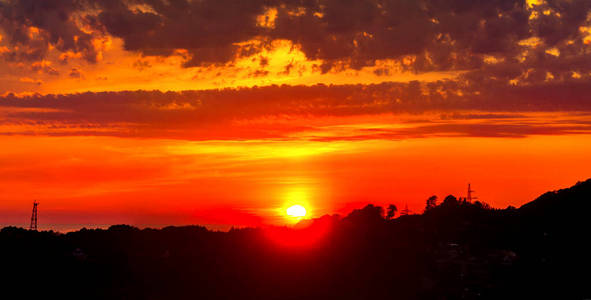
[454,250]
[576,199]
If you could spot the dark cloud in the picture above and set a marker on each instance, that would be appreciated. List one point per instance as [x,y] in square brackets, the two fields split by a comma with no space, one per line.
[337,100]
[76,73]
[209,114]
[484,37]
[141,65]
[477,116]
[44,67]
[208,30]
[258,73]
[32,27]
[462,130]
[287,69]
[558,20]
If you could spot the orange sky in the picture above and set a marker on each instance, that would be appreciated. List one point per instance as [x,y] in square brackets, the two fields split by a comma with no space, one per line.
[221,113]
[103,180]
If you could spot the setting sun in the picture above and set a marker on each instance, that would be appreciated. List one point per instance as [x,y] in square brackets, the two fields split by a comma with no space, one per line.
[296,211]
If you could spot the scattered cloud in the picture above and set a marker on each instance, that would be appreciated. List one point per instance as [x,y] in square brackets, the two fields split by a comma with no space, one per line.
[141,65]
[76,73]
[509,41]
[45,67]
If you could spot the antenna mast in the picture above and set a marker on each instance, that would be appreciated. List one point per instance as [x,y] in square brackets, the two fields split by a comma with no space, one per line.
[470,191]
[34,216]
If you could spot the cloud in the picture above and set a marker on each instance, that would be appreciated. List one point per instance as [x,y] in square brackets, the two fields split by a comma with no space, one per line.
[33,27]
[513,57]
[520,130]
[487,38]
[207,30]
[44,67]
[141,65]
[287,111]
[76,73]
[31,80]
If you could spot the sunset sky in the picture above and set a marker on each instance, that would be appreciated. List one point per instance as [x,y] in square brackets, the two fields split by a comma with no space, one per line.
[222,112]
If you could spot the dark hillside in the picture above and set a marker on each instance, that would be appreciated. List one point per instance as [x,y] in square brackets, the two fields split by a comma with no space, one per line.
[575,200]
[455,250]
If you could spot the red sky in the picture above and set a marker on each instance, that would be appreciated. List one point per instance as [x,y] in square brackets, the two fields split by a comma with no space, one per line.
[221,113]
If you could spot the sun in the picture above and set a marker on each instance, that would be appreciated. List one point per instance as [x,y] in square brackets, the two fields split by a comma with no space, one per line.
[296,211]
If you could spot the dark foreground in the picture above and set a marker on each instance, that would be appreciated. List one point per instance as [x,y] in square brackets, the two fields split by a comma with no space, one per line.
[455,250]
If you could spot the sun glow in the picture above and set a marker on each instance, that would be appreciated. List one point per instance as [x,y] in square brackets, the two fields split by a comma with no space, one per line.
[296,211]
[297,205]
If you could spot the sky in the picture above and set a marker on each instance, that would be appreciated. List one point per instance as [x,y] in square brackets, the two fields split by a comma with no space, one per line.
[223,113]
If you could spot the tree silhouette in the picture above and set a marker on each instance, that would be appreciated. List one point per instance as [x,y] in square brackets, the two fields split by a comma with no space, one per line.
[431,203]
[391,211]
[367,215]
[450,200]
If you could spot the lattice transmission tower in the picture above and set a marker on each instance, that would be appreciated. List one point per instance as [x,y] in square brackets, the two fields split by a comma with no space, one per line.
[470,191]
[405,211]
[34,217]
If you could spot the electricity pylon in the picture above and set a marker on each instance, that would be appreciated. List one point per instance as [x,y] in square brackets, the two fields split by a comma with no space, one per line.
[34,217]
[470,191]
